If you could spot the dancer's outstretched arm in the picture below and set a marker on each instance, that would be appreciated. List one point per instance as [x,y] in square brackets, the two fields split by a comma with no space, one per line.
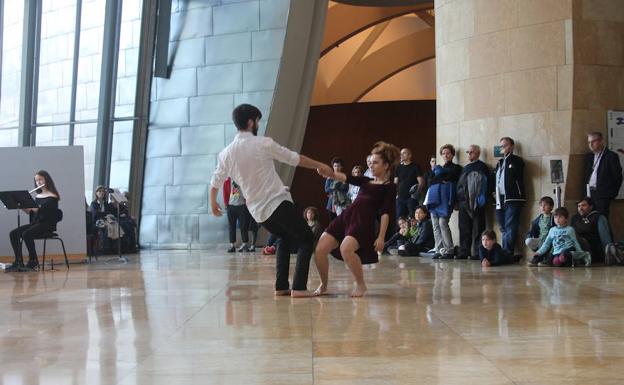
[339,176]
[306,162]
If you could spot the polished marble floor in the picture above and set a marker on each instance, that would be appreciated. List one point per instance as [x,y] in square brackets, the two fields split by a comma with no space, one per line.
[178,318]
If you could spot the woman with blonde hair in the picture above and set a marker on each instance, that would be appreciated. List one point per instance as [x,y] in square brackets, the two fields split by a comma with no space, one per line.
[351,236]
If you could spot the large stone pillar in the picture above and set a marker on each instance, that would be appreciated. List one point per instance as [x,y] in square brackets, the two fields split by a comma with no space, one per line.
[543,72]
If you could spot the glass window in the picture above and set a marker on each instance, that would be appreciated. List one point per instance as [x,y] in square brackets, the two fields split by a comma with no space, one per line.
[58,20]
[121,155]
[11,68]
[52,135]
[84,135]
[90,59]
[128,60]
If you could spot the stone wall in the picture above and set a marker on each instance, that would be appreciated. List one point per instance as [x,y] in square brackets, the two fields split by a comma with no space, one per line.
[542,72]
[504,68]
[223,53]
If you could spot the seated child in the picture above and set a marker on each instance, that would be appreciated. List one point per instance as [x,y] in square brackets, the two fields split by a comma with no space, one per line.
[541,225]
[398,238]
[491,253]
[420,236]
[561,242]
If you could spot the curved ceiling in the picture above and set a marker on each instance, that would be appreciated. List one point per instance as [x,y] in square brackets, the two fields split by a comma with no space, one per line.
[363,47]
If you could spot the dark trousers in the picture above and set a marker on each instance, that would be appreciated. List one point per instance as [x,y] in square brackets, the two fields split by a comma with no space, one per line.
[602,206]
[406,207]
[28,233]
[470,229]
[290,227]
[508,218]
[241,215]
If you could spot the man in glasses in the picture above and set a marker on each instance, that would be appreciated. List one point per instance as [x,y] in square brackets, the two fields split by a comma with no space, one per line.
[472,193]
[603,173]
[510,193]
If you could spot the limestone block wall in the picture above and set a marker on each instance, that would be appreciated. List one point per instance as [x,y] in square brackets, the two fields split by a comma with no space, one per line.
[598,82]
[505,68]
[222,53]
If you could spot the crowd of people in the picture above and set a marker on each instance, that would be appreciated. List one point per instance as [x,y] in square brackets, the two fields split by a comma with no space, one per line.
[362,206]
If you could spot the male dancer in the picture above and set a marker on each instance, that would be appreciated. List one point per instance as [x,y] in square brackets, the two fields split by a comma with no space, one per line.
[249,161]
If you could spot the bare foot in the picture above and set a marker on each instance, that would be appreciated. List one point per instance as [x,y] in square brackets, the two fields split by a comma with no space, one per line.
[301,294]
[321,290]
[359,291]
[281,293]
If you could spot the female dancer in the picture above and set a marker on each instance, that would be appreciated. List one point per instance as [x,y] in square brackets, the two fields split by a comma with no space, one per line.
[351,236]
[43,220]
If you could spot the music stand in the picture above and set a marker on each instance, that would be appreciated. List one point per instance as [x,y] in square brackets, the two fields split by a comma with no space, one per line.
[17,200]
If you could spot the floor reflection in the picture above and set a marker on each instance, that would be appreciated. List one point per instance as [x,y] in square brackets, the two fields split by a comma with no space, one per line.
[172,317]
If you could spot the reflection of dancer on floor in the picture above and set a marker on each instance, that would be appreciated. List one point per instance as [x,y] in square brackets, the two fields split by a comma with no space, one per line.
[351,236]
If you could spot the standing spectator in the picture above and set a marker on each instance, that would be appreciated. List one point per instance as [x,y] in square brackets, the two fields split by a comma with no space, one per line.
[337,199]
[237,213]
[311,216]
[472,192]
[510,195]
[407,174]
[441,200]
[369,163]
[427,177]
[353,189]
[603,173]
[592,228]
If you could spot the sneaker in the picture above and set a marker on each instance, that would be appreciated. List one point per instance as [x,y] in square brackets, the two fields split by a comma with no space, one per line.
[268,250]
[32,265]
[231,249]
[243,248]
[251,249]
[436,256]
[543,264]
[15,268]
[534,262]
[447,256]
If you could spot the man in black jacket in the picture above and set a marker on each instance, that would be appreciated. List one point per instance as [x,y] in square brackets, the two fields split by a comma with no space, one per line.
[510,194]
[603,173]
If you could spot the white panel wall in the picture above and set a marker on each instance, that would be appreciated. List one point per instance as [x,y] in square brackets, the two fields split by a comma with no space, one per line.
[65,165]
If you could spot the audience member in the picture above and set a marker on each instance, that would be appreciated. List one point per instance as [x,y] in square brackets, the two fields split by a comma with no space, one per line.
[420,235]
[491,253]
[603,173]
[354,190]
[398,238]
[237,213]
[407,175]
[559,244]
[337,198]
[472,193]
[541,224]
[510,195]
[311,216]
[593,229]
[441,200]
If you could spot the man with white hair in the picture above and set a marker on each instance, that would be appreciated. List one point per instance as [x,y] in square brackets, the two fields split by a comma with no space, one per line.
[472,192]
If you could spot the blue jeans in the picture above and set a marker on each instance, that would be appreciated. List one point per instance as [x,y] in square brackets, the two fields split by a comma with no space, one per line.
[508,218]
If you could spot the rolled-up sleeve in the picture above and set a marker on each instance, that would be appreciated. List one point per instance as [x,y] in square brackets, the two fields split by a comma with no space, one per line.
[220,174]
[280,153]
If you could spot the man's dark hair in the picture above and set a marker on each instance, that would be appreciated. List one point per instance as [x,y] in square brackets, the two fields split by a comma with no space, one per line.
[511,141]
[588,200]
[423,209]
[243,113]
[561,212]
[489,234]
[548,200]
[336,159]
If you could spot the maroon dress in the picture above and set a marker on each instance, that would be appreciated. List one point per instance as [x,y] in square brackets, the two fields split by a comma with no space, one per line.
[358,220]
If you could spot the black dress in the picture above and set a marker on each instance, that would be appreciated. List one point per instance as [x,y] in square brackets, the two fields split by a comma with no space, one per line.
[358,220]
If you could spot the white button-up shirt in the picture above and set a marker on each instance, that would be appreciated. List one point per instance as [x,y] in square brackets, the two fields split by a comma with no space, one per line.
[249,161]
